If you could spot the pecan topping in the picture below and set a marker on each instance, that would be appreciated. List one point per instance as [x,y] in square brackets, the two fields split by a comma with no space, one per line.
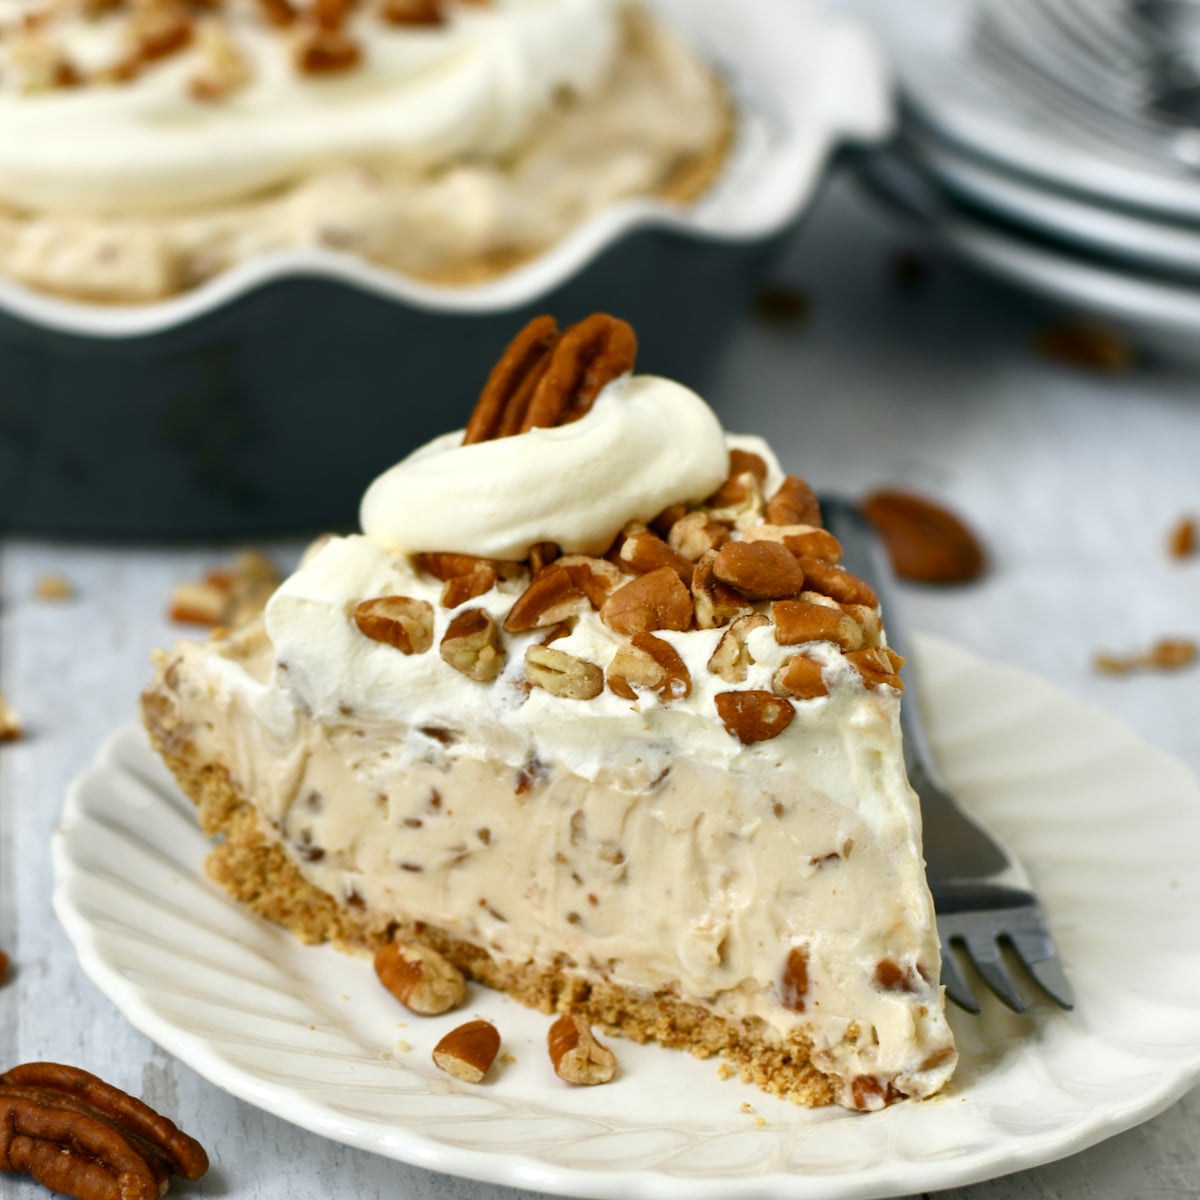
[731,659]
[412,12]
[753,716]
[648,662]
[800,677]
[746,471]
[804,541]
[716,602]
[643,551]
[694,534]
[471,644]
[462,588]
[545,378]
[595,577]
[837,583]
[398,621]
[78,1135]
[798,621]
[879,667]
[925,541]
[562,674]
[552,597]
[794,504]
[759,570]
[321,51]
[657,600]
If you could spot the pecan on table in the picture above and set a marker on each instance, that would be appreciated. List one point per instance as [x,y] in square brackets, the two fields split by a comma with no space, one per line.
[546,378]
[83,1137]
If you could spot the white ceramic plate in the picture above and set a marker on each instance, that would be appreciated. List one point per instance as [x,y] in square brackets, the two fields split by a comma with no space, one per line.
[1164,312]
[804,80]
[1076,221]
[1110,832]
[948,93]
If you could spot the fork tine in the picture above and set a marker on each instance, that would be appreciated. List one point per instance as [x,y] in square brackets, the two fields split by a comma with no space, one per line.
[1036,952]
[984,951]
[954,982]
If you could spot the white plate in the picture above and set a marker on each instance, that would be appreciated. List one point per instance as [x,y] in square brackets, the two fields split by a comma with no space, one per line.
[946,90]
[1150,244]
[805,80]
[1165,311]
[1110,832]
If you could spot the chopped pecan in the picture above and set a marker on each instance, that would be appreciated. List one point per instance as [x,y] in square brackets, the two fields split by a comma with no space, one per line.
[419,977]
[657,600]
[78,1135]
[321,51]
[716,603]
[53,587]
[753,716]
[731,659]
[837,583]
[1167,654]
[793,982]
[804,541]
[412,12]
[471,645]
[800,678]
[398,621]
[468,1051]
[643,551]
[545,379]
[798,621]
[879,667]
[1182,541]
[891,977]
[11,727]
[925,541]
[198,604]
[562,674]
[649,663]
[541,555]
[869,622]
[330,14]
[597,578]
[462,588]
[795,503]
[665,521]
[759,570]
[279,13]
[576,1055]
[224,67]
[3,968]
[552,597]
[733,491]
[693,535]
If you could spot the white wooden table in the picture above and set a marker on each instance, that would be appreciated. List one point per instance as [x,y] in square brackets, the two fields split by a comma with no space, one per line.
[1072,479]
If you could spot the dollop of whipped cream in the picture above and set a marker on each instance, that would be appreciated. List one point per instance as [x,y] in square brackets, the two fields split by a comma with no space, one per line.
[421,96]
[646,443]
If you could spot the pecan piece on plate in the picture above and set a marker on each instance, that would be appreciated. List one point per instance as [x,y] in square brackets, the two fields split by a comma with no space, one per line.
[925,541]
[576,1055]
[78,1135]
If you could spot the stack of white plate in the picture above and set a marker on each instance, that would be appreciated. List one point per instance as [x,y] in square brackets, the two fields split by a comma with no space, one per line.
[1056,142]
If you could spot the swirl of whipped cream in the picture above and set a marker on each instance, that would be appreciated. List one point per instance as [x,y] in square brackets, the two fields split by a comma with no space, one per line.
[647,443]
[421,96]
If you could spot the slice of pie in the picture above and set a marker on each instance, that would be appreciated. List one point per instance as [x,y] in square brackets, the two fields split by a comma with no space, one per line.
[591,709]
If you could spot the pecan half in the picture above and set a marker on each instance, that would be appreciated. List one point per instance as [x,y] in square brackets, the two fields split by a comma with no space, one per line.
[925,541]
[576,1055]
[398,621]
[753,716]
[562,674]
[648,662]
[731,660]
[78,1135]
[471,645]
[657,600]
[545,379]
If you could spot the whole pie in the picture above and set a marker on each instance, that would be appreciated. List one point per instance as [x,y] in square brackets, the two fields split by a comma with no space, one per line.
[589,708]
[147,145]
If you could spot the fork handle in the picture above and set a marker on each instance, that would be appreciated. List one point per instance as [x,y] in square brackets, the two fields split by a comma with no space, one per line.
[955,846]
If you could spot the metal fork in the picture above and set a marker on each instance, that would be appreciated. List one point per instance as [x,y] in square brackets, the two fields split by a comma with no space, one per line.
[982,897]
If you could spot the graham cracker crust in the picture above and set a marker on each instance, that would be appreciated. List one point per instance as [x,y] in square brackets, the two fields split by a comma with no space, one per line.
[253,868]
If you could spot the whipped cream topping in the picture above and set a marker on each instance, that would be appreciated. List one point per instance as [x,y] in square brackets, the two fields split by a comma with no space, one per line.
[422,96]
[647,443]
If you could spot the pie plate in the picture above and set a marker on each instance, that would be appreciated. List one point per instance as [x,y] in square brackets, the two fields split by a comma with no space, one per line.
[1108,828]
